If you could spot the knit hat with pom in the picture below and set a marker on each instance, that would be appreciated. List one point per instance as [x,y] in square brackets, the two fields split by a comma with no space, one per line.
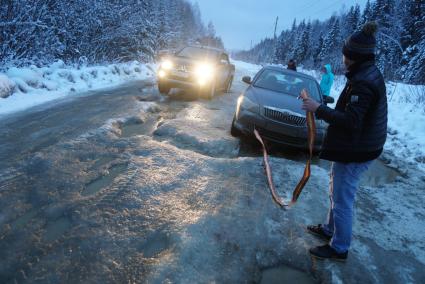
[361,45]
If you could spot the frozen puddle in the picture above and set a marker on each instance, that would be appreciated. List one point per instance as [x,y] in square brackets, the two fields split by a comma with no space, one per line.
[132,129]
[136,127]
[56,229]
[379,174]
[285,274]
[156,244]
[24,219]
[104,181]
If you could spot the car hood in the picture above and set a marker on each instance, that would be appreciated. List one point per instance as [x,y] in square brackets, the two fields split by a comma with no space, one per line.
[188,63]
[277,100]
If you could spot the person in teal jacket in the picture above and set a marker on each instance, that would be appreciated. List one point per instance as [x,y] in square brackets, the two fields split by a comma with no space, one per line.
[327,80]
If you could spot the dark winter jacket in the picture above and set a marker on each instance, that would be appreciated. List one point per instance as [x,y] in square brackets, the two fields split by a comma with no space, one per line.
[358,125]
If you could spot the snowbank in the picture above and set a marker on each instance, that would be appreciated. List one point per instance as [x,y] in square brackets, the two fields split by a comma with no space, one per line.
[6,86]
[406,118]
[406,122]
[21,88]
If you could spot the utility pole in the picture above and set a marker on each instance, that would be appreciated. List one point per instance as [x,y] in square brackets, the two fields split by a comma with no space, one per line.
[275,27]
[275,39]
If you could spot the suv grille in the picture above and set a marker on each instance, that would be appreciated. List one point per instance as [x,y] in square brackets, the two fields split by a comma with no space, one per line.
[284,116]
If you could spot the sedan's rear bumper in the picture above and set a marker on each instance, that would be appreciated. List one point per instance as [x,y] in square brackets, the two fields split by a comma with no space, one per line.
[291,135]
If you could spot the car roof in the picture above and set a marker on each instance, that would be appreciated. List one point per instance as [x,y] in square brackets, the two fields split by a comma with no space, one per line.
[289,72]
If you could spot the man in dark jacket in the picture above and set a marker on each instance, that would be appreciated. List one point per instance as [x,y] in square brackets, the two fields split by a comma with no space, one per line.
[355,137]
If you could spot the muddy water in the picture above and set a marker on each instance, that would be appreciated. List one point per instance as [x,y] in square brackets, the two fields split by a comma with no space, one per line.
[24,219]
[57,228]
[134,128]
[378,174]
[104,181]
[286,274]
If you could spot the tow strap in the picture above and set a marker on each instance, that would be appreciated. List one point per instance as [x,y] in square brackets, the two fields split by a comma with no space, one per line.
[311,126]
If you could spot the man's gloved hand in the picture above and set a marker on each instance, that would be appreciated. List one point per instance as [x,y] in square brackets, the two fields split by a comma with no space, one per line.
[308,103]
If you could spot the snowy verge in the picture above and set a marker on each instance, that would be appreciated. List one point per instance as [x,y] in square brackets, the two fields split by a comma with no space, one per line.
[21,88]
[406,118]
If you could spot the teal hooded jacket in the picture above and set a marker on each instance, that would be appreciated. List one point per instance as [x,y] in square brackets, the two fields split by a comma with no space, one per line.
[327,80]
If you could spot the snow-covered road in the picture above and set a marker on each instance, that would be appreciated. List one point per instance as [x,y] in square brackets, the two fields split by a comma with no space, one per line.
[126,186]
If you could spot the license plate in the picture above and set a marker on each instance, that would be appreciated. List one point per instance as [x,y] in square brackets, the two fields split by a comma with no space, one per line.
[181,74]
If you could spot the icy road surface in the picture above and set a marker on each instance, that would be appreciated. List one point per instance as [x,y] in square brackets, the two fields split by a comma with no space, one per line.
[124,186]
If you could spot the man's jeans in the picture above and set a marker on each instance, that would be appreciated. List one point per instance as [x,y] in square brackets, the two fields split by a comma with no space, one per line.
[344,181]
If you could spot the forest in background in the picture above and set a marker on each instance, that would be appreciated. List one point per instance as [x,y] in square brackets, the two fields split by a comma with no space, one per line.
[401,40]
[97,31]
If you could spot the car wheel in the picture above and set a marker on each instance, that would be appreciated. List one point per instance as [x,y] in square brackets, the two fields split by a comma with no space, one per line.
[229,85]
[163,88]
[233,130]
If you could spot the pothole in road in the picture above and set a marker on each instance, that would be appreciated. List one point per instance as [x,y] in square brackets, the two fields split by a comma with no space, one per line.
[23,220]
[104,181]
[57,228]
[102,161]
[147,97]
[285,274]
[155,244]
[377,175]
[135,127]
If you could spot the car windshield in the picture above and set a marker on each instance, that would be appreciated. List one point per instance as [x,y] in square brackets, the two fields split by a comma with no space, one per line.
[197,53]
[291,84]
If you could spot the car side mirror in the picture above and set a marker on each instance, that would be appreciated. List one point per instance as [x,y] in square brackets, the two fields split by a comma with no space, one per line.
[328,100]
[246,79]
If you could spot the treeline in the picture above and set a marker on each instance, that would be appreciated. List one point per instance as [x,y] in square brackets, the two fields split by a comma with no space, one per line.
[401,40]
[92,31]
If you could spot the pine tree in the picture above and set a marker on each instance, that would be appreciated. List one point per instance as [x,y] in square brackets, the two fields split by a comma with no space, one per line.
[400,39]
[317,53]
[414,41]
[40,31]
[367,13]
[303,48]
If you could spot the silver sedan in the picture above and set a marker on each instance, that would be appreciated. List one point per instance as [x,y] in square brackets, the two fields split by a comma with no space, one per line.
[270,104]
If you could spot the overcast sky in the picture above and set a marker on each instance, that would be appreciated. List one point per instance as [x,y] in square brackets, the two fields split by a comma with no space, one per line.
[240,21]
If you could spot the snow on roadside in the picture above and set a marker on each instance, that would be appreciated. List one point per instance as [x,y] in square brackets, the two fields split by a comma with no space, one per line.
[406,118]
[6,86]
[21,88]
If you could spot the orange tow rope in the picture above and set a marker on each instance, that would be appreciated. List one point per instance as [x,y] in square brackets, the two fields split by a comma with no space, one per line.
[311,126]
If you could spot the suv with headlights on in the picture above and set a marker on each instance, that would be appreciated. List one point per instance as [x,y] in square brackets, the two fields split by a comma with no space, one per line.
[203,69]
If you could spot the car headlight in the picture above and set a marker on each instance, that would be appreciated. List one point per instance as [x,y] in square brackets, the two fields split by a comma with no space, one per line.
[167,65]
[204,72]
[161,74]
[244,103]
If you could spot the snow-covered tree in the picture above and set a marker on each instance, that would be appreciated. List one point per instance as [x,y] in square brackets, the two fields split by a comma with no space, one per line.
[40,31]
[400,39]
